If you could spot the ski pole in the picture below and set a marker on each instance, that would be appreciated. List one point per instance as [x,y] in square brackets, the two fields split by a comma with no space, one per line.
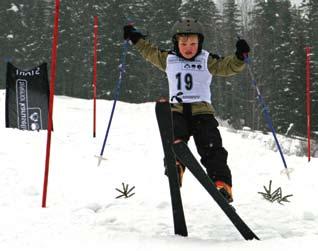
[266,113]
[116,95]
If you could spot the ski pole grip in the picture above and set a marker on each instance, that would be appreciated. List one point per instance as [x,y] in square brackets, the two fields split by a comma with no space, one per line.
[245,55]
[129,23]
[246,58]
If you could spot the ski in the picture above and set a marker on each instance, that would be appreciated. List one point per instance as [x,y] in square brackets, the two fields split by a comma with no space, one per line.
[163,114]
[184,155]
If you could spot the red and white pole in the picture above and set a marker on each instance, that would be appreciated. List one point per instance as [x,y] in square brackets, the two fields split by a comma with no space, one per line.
[95,73]
[308,99]
[51,99]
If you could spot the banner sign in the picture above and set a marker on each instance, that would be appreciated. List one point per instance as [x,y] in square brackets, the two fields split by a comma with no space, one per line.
[27,98]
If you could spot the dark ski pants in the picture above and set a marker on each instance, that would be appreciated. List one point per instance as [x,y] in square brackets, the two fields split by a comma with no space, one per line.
[208,141]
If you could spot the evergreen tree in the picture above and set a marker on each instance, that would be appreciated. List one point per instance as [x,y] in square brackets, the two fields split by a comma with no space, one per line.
[281,95]
[297,86]
[8,17]
[37,46]
[232,88]
[134,86]
[162,16]
[277,34]
[310,16]
[24,34]
[248,112]
[263,22]
[206,12]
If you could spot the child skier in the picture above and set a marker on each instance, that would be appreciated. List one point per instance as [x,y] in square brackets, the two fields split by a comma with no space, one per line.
[189,70]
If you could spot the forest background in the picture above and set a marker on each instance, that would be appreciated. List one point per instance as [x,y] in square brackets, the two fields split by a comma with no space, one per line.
[277,31]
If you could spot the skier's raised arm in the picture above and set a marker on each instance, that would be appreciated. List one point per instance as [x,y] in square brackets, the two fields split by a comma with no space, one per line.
[149,51]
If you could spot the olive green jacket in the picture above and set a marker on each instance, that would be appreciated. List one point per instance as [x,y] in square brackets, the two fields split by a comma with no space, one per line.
[227,66]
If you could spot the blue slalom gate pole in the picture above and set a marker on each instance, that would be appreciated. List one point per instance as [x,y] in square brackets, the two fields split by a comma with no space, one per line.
[266,113]
[116,96]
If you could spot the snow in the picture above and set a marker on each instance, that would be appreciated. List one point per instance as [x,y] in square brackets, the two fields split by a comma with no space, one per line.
[83,214]
[13,8]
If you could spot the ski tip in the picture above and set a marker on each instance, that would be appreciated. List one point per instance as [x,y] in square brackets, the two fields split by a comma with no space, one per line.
[255,238]
[182,233]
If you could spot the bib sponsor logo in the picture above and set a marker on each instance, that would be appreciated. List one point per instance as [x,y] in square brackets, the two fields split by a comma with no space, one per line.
[22,103]
[193,66]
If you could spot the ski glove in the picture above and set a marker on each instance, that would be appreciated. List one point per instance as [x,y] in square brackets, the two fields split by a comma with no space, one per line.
[132,34]
[242,49]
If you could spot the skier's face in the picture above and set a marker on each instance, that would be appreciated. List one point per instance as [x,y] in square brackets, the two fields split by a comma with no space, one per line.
[188,45]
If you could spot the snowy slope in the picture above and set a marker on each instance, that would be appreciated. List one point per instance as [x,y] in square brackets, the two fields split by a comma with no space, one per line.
[83,214]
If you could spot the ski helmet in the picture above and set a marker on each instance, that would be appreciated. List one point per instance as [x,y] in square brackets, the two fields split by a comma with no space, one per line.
[189,26]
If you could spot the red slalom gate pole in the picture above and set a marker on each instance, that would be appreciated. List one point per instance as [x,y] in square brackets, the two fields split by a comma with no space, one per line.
[52,81]
[308,99]
[95,73]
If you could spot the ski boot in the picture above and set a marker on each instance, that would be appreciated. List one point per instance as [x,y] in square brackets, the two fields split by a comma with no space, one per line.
[225,190]
[180,170]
